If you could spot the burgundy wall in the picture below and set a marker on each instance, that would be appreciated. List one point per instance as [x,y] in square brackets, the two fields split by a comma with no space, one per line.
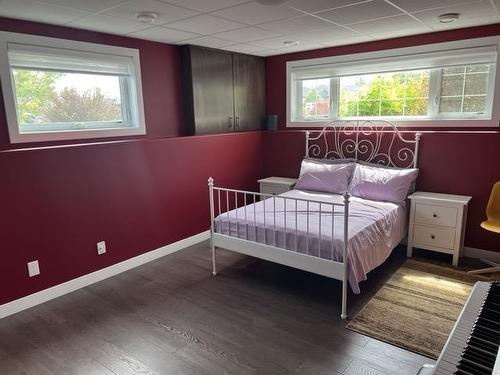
[57,202]
[454,163]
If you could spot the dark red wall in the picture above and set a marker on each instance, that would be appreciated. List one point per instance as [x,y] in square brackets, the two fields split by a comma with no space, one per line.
[454,163]
[57,202]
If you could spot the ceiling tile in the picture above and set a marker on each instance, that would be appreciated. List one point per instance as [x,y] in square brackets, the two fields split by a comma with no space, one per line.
[163,34]
[87,5]
[347,41]
[331,36]
[296,25]
[361,12]
[167,13]
[35,11]
[470,14]
[247,34]
[333,33]
[412,5]
[99,22]
[312,6]
[244,48]
[208,41]
[391,27]
[253,13]
[205,25]
[205,5]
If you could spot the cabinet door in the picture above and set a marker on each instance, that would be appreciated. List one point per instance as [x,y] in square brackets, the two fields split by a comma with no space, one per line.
[249,92]
[212,83]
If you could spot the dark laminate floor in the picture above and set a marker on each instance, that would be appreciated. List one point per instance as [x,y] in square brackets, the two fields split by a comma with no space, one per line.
[172,316]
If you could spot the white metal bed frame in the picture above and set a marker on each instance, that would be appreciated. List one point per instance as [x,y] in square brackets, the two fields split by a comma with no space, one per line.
[373,141]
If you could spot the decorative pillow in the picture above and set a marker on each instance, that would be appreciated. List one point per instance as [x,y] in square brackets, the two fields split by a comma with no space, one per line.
[326,177]
[382,184]
[377,165]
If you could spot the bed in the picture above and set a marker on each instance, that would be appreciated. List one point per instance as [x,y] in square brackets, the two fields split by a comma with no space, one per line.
[308,230]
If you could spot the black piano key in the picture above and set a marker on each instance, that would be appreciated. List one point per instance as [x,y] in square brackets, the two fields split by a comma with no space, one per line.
[480,331]
[462,372]
[487,327]
[477,357]
[472,368]
[494,305]
[473,347]
[488,313]
[483,345]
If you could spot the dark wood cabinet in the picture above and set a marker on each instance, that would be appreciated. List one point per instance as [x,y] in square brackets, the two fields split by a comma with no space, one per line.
[249,92]
[224,91]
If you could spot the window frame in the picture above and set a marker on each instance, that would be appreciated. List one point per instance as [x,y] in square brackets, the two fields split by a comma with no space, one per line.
[131,86]
[490,119]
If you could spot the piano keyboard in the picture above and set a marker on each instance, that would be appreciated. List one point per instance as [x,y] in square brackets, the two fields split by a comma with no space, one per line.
[472,348]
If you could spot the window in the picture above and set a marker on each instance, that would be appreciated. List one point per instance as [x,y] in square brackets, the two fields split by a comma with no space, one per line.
[442,85]
[58,89]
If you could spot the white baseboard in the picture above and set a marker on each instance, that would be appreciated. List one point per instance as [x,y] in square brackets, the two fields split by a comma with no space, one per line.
[45,295]
[473,252]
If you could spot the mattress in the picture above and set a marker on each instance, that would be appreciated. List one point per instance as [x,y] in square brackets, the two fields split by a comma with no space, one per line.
[375,228]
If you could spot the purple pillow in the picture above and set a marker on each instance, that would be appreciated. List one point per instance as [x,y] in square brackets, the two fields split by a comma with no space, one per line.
[326,177]
[382,184]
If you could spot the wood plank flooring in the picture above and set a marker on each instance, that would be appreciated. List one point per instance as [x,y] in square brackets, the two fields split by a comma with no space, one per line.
[172,316]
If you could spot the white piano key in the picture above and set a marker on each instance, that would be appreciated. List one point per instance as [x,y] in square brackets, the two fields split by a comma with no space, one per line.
[452,352]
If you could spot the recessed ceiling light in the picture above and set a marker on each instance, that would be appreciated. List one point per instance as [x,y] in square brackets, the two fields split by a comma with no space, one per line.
[290,43]
[448,17]
[271,2]
[146,17]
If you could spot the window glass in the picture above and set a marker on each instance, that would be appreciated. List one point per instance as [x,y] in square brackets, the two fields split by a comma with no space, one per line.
[464,89]
[316,98]
[386,94]
[46,99]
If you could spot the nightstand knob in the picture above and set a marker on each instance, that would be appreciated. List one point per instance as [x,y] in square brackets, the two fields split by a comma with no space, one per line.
[433,236]
[434,215]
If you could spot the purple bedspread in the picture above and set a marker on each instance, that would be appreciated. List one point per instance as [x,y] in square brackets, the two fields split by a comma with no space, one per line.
[375,228]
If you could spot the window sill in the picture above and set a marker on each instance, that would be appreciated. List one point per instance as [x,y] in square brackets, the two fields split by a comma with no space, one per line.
[74,135]
[414,123]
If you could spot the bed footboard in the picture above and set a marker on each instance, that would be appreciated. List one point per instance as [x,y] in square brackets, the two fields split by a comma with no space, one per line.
[280,229]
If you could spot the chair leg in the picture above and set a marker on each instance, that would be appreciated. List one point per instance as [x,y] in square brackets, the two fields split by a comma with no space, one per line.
[495,267]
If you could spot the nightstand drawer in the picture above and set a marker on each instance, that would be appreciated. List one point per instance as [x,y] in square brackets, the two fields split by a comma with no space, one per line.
[273,188]
[436,215]
[434,236]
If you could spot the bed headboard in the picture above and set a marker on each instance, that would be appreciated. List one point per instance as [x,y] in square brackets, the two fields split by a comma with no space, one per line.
[376,141]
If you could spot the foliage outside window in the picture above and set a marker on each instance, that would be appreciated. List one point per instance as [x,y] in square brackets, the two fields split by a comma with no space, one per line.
[46,98]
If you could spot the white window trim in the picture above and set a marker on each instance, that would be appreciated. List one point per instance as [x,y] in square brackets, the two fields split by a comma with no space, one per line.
[10,101]
[490,119]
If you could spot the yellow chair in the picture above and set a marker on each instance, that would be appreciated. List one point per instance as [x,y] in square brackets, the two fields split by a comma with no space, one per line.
[492,223]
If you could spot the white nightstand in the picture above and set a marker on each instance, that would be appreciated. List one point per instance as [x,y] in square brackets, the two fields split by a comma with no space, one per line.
[276,185]
[437,222]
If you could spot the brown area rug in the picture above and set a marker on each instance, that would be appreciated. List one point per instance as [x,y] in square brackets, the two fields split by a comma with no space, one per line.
[417,308]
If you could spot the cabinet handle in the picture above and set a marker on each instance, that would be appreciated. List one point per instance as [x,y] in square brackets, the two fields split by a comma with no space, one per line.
[434,215]
[237,124]
[433,236]
[230,122]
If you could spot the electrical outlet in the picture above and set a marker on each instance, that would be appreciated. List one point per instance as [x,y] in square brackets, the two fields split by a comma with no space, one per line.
[101,248]
[33,268]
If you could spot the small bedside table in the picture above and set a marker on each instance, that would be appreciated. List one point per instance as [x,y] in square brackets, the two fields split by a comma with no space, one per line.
[276,185]
[437,222]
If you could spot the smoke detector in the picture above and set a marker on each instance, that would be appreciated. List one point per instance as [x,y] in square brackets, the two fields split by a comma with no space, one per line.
[146,17]
[448,17]
[291,43]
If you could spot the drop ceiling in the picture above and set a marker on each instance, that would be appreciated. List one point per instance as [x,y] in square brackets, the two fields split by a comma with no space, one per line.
[249,27]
